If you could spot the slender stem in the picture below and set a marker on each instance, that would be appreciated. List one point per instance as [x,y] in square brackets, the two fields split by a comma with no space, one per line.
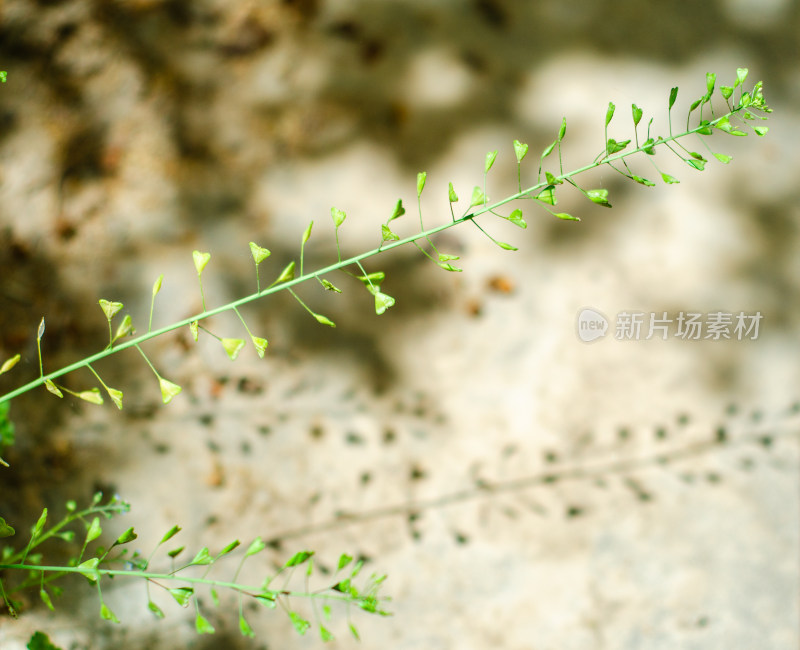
[243,323]
[210,333]
[5,600]
[478,226]
[340,264]
[426,233]
[202,294]
[305,306]
[53,531]
[102,383]
[152,308]
[39,350]
[152,367]
[247,589]
[365,274]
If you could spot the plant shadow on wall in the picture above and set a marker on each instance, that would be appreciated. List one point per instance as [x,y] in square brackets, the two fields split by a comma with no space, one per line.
[81,528]
[601,464]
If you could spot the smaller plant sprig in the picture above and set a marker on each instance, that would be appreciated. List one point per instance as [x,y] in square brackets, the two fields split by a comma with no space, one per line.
[181,580]
[615,153]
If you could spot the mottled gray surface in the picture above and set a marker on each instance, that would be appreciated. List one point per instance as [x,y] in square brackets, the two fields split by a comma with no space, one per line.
[521,488]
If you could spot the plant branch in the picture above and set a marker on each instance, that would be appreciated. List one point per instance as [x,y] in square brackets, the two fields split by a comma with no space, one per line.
[722,123]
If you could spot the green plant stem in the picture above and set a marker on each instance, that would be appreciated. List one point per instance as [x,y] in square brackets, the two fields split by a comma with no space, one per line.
[243,323]
[102,383]
[117,507]
[135,343]
[146,575]
[302,304]
[423,234]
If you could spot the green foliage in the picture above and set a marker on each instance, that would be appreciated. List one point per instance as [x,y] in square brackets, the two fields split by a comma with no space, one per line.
[25,565]
[5,529]
[40,641]
[615,154]
[181,583]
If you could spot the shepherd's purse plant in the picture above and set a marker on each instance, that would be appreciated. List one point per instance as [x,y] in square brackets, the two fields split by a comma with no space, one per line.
[742,110]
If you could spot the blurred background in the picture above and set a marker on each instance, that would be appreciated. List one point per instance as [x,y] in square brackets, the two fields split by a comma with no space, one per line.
[522,488]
